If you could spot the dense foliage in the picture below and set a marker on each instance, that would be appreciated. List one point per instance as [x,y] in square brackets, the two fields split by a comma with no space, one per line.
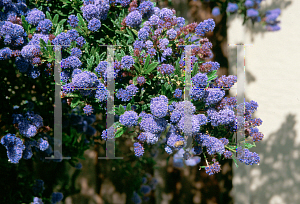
[149,73]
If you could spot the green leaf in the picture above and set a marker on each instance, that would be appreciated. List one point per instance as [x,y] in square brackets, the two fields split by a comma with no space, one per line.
[121,109]
[151,67]
[48,16]
[32,30]
[55,19]
[248,145]
[119,132]
[81,22]
[90,62]
[147,62]
[75,102]
[134,80]
[212,75]
[128,107]
[61,22]
[235,162]
[24,23]
[195,69]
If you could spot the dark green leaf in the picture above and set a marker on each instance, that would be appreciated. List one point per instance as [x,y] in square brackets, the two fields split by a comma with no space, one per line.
[61,22]
[55,19]
[147,62]
[151,67]
[119,132]
[121,109]
[75,102]
[48,16]
[195,69]
[128,107]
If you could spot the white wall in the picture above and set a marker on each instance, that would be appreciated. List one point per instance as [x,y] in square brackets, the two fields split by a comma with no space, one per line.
[273,80]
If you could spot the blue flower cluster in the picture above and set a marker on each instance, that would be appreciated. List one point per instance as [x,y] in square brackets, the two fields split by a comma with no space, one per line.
[128,93]
[271,19]
[129,118]
[159,106]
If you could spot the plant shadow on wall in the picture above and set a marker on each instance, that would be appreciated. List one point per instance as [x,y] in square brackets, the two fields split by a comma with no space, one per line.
[232,57]
[276,179]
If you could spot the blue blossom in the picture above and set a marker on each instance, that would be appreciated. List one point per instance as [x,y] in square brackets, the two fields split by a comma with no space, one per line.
[200,80]
[124,3]
[62,39]
[56,197]
[216,11]
[146,8]
[138,149]
[127,62]
[141,80]
[167,52]
[159,107]
[252,13]
[143,34]
[171,34]
[247,157]
[88,109]
[14,146]
[205,26]
[73,34]
[149,44]
[80,41]
[195,125]
[90,11]
[213,96]
[38,187]
[136,198]
[129,118]
[145,189]
[73,21]
[166,69]
[154,20]
[249,3]
[43,144]
[168,150]
[94,25]
[151,138]
[163,43]
[5,53]
[44,26]
[180,21]
[232,7]
[76,52]
[30,51]
[134,19]
[152,125]
[138,44]
[212,144]
[71,62]
[227,154]
[177,93]
[35,16]
[142,137]
[165,13]
[37,200]
[212,169]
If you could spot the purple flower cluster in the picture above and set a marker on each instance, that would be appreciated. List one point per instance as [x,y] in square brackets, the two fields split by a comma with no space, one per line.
[177,93]
[247,157]
[88,109]
[223,117]
[138,149]
[212,144]
[200,80]
[129,118]
[29,124]
[141,80]
[216,11]
[271,19]
[205,26]
[127,62]
[134,19]
[73,21]
[14,146]
[126,94]
[166,69]
[35,16]
[232,7]
[44,26]
[94,25]
[212,169]
[226,81]
[159,106]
